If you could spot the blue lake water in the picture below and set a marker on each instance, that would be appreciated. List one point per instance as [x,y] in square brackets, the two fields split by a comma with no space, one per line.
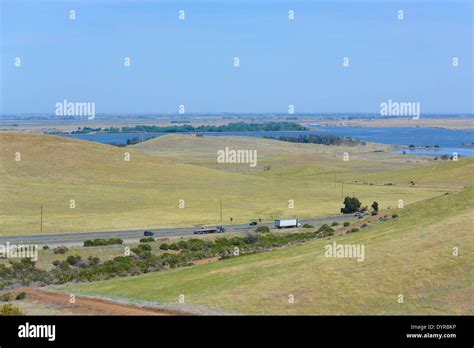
[448,140]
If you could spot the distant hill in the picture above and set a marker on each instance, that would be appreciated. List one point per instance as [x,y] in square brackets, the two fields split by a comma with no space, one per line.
[202,150]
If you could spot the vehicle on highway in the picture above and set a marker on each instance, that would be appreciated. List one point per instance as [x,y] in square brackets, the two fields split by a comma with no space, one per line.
[210,230]
[148,233]
[253,223]
[287,223]
[358,214]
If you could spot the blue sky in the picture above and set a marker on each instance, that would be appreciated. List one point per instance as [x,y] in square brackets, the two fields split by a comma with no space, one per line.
[282,61]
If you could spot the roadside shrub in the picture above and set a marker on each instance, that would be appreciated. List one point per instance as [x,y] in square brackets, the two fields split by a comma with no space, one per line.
[143,251]
[173,246]
[73,260]
[164,246]
[93,260]
[308,226]
[374,213]
[325,227]
[354,230]
[251,238]
[6,297]
[20,295]
[60,249]
[144,261]
[346,224]
[324,231]
[262,229]
[9,309]
[45,247]
[364,226]
[147,240]
[394,216]
[145,247]
[102,242]
[64,266]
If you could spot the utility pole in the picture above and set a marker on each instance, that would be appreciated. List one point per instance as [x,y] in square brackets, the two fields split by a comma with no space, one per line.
[342,189]
[41,221]
[220,204]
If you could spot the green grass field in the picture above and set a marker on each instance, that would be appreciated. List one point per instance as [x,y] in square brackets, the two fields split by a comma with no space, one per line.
[113,194]
[410,256]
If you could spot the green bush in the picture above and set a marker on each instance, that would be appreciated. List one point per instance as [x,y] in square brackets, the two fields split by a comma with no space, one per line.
[64,266]
[6,297]
[351,205]
[45,247]
[325,227]
[20,295]
[93,260]
[147,240]
[308,226]
[347,223]
[394,216]
[143,251]
[60,250]
[9,309]
[173,246]
[335,223]
[251,238]
[262,229]
[102,242]
[375,207]
[364,226]
[324,231]
[73,260]
[354,230]
[164,246]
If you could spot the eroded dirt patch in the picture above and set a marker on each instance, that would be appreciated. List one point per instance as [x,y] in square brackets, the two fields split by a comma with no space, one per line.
[87,306]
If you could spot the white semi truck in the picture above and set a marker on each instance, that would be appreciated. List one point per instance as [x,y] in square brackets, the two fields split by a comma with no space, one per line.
[286,223]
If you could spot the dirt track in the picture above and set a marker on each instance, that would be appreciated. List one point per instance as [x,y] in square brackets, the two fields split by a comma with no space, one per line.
[85,305]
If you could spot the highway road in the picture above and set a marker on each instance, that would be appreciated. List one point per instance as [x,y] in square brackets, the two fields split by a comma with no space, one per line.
[70,239]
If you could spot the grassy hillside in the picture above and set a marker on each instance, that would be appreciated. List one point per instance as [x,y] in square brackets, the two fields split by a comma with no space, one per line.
[202,151]
[412,256]
[113,194]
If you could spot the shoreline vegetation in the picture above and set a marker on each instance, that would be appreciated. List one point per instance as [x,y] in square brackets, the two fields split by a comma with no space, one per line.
[321,139]
[231,127]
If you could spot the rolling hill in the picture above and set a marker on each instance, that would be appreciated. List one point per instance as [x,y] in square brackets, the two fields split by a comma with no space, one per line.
[110,193]
[410,256]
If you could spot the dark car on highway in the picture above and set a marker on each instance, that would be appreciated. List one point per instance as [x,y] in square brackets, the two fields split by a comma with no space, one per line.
[148,233]
[253,223]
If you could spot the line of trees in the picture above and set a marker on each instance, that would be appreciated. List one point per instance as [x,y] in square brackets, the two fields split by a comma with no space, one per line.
[321,139]
[231,127]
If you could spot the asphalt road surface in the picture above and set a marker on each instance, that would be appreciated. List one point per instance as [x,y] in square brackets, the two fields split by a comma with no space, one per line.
[135,235]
